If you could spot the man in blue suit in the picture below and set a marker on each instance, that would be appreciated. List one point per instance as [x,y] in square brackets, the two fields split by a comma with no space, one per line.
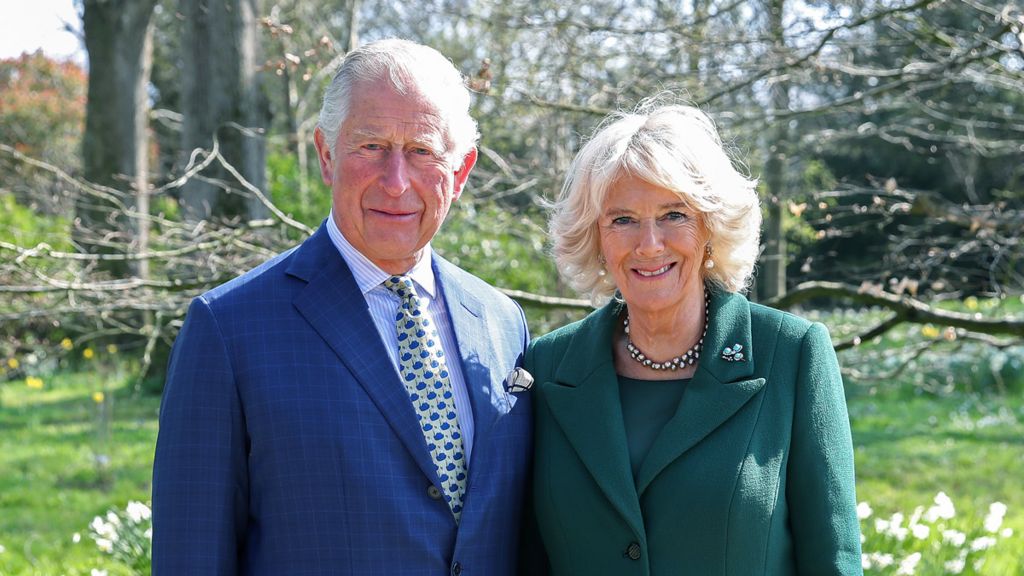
[293,435]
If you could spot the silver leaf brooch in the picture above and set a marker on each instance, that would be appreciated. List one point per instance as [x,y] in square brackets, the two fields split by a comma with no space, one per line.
[733,353]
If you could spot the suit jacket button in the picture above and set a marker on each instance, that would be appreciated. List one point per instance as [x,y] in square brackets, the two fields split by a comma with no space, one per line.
[456,569]
[633,551]
[434,492]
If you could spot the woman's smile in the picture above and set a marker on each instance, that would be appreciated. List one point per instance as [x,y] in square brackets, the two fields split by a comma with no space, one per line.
[654,273]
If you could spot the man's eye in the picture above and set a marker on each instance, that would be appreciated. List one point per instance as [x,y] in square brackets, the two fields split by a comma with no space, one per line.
[373,146]
[422,151]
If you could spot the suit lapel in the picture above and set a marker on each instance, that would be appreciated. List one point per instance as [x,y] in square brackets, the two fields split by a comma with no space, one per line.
[584,400]
[718,389]
[336,309]
[469,324]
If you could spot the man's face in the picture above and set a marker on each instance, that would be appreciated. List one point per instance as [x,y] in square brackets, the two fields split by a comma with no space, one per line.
[392,176]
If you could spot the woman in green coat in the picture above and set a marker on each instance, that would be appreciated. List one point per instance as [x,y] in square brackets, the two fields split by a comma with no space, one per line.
[681,429]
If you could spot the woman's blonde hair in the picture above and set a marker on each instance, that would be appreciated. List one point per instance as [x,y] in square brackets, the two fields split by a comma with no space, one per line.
[671,146]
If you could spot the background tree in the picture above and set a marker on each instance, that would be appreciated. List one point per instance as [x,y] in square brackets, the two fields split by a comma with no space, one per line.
[222,99]
[118,38]
[41,116]
[305,43]
[890,132]
[925,96]
[772,280]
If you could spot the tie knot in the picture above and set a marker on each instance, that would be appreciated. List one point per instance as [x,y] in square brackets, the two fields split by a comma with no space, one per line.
[401,286]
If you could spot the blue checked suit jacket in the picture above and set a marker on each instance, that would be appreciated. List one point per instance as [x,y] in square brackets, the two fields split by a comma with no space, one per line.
[288,445]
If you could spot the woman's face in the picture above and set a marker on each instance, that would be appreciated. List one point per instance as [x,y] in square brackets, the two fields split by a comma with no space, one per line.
[653,245]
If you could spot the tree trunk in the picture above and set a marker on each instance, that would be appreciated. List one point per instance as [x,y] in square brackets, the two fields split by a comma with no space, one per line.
[772,284]
[696,45]
[118,38]
[303,135]
[352,37]
[141,218]
[221,97]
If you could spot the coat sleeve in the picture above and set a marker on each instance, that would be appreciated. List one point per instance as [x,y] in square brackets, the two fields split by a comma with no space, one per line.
[821,489]
[199,472]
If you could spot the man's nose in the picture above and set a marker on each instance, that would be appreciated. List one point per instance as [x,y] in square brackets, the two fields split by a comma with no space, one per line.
[395,179]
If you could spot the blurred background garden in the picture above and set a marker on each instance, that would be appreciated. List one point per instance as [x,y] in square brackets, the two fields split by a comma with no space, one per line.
[175,152]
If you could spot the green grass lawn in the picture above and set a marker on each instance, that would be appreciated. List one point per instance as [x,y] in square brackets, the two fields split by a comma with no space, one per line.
[908,447]
[51,486]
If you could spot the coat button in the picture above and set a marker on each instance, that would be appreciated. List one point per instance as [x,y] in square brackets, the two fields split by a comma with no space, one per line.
[633,551]
[456,569]
[434,492]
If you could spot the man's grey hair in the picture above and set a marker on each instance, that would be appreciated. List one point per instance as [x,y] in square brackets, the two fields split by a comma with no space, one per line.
[407,65]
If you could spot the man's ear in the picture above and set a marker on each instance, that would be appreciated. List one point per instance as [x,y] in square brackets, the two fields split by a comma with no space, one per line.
[462,174]
[323,153]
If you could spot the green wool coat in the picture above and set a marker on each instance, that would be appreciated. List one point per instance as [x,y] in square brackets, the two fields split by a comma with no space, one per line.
[752,475]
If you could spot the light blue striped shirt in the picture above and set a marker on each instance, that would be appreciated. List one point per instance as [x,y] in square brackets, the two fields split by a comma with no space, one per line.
[383,304]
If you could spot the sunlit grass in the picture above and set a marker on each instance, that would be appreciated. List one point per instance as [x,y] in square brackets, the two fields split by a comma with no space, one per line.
[909,447]
[51,485]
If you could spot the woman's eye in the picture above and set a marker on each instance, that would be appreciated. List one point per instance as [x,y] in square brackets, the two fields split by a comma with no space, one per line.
[675,217]
[621,221]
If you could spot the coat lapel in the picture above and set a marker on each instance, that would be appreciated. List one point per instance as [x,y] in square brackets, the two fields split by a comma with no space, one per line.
[336,309]
[718,389]
[584,400]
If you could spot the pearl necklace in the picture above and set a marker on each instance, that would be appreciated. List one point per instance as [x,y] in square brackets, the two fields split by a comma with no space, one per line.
[687,358]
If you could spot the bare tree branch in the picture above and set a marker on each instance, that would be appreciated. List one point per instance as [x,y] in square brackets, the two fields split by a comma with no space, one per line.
[906,308]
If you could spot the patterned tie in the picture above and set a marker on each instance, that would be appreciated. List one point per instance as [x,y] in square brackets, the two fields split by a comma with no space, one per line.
[423,369]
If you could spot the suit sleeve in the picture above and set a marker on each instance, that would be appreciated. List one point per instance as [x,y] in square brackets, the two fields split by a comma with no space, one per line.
[821,489]
[199,472]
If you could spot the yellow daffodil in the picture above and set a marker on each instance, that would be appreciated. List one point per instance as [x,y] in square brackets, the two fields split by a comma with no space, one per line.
[67,344]
[33,382]
[98,397]
[13,363]
[971,302]
[111,348]
[929,331]
[88,353]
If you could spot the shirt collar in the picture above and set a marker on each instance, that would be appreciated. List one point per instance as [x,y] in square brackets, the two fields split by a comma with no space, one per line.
[368,275]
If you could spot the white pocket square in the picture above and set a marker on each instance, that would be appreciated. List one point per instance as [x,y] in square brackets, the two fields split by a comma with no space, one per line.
[518,380]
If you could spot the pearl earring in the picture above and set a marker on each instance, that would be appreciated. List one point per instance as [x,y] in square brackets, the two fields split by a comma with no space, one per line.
[709,263]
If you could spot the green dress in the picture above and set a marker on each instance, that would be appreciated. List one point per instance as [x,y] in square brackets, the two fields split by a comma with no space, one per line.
[647,405]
